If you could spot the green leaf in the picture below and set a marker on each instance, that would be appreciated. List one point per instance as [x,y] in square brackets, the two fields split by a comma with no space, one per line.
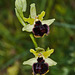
[33,10]
[48,22]
[19,18]
[20,6]
[28,28]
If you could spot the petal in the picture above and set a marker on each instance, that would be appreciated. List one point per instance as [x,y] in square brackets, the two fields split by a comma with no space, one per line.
[34,52]
[48,22]
[28,28]
[30,61]
[19,18]
[29,20]
[47,53]
[40,17]
[33,11]
[50,62]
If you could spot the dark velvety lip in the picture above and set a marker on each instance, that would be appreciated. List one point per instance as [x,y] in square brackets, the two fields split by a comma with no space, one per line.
[38,23]
[40,67]
[39,30]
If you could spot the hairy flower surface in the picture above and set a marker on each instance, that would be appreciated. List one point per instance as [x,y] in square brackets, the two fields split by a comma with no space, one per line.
[39,29]
[40,67]
[29,24]
[40,64]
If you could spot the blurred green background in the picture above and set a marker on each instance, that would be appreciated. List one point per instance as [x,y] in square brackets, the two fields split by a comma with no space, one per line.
[15,44]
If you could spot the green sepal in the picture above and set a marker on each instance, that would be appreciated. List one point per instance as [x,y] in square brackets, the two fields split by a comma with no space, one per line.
[33,10]
[19,18]
[48,22]
[28,28]
[20,6]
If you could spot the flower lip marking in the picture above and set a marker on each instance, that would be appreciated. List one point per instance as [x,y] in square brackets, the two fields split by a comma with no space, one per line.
[38,23]
[39,30]
[40,67]
[40,60]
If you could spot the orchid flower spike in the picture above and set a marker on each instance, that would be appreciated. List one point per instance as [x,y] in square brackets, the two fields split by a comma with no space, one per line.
[34,23]
[40,63]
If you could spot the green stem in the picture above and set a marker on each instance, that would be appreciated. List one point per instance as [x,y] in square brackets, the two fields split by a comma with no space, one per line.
[32,37]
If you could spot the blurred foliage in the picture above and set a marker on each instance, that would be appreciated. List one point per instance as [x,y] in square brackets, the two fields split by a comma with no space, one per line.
[15,44]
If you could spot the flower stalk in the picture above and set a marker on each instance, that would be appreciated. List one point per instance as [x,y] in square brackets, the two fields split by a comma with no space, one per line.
[32,37]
